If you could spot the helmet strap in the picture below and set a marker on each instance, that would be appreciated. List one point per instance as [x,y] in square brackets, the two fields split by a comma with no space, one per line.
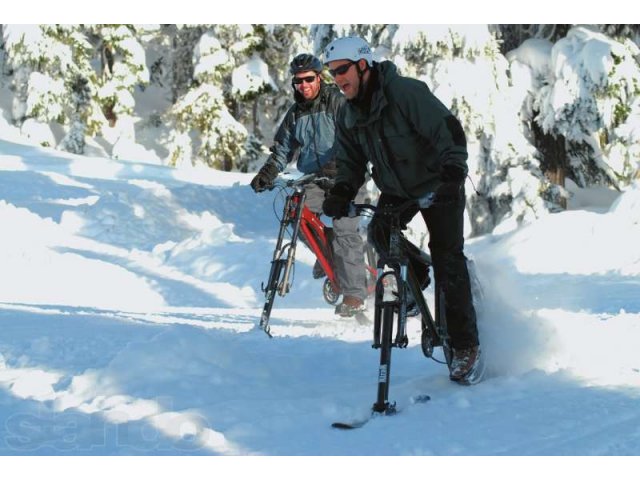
[361,84]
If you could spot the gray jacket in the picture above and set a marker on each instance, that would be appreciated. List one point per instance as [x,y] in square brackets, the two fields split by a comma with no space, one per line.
[307,132]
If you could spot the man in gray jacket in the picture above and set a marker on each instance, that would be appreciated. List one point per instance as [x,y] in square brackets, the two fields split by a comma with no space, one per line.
[416,148]
[307,134]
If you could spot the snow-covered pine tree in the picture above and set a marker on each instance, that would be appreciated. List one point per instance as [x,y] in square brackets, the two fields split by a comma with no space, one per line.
[21,58]
[48,60]
[510,36]
[83,115]
[205,130]
[591,97]
[54,84]
[27,50]
[122,68]
[183,40]
[80,103]
[3,55]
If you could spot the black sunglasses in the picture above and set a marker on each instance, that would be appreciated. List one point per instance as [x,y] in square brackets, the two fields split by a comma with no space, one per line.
[298,80]
[341,70]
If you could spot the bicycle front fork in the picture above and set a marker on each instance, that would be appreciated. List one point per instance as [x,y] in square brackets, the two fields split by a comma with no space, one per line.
[279,282]
[390,311]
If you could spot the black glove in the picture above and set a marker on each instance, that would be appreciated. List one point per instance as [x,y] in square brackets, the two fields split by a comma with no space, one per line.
[453,178]
[329,169]
[265,177]
[336,204]
[452,174]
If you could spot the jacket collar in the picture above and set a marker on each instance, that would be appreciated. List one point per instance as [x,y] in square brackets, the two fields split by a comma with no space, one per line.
[362,115]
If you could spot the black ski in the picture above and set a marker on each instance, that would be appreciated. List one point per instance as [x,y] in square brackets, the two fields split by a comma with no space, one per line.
[392,410]
[351,425]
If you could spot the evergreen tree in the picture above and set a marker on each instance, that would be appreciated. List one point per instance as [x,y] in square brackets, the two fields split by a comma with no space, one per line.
[239,88]
[589,97]
[55,81]
[80,102]
[25,46]
[511,36]
[122,68]
[83,115]
[183,40]
[3,55]
[204,129]
[537,102]
[47,61]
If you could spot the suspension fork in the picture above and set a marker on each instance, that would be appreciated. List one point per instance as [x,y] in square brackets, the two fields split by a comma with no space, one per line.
[296,205]
[291,215]
[386,303]
[400,265]
[390,311]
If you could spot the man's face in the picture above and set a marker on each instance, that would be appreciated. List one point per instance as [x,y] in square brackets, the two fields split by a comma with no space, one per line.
[307,83]
[345,74]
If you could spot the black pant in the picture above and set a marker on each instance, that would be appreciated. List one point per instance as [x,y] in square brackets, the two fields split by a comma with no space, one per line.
[446,241]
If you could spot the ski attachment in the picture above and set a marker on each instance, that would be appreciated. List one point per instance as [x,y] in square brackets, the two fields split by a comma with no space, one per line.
[390,410]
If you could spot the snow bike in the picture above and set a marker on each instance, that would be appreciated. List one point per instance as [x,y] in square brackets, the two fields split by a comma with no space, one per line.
[394,280]
[300,222]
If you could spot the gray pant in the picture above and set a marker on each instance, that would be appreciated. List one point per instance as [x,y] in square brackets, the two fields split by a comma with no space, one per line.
[348,247]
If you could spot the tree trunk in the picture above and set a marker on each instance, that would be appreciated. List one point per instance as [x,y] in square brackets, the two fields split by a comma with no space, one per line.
[107,60]
[554,156]
[184,41]
[256,121]
[3,54]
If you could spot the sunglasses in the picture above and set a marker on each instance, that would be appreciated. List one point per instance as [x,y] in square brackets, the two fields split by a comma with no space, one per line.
[341,70]
[309,79]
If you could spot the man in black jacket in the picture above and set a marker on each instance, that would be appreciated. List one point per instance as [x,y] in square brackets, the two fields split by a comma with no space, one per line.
[307,134]
[417,148]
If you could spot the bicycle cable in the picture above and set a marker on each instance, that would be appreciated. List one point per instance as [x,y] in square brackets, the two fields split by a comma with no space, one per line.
[279,195]
[438,361]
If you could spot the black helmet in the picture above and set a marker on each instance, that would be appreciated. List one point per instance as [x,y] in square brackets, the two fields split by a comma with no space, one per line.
[305,62]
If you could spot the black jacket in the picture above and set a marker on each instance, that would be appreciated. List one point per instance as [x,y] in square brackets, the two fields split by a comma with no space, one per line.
[403,130]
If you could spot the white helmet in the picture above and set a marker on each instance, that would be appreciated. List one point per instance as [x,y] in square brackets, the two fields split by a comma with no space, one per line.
[348,48]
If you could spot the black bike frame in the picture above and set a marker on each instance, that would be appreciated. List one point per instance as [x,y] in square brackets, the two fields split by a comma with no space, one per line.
[391,307]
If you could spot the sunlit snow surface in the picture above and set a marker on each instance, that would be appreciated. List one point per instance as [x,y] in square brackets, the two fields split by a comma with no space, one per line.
[129,296]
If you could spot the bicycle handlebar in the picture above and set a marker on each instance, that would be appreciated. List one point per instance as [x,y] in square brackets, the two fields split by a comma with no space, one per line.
[322,182]
[356,209]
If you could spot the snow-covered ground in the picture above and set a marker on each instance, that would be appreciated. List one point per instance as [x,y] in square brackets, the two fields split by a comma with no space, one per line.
[129,296]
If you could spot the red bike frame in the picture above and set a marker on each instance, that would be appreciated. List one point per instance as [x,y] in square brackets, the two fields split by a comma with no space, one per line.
[302,221]
[312,228]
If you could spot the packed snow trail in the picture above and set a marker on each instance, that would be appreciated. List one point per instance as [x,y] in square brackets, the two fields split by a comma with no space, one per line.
[130,296]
